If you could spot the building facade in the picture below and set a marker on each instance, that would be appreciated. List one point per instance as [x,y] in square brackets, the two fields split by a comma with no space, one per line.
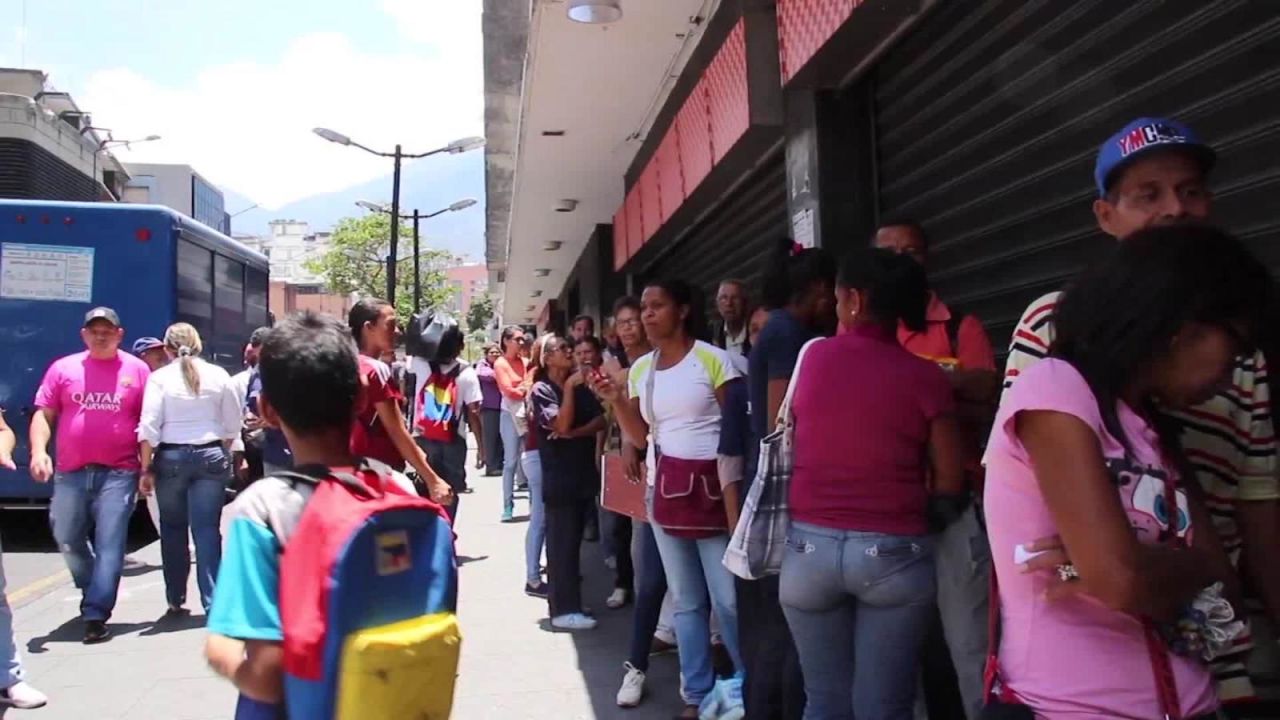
[49,149]
[290,245]
[179,187]
[468,282]
[746,122]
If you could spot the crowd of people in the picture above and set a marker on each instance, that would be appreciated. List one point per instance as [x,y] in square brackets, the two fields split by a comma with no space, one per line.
[1090,534]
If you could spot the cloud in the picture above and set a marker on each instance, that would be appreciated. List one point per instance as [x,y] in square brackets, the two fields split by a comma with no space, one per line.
[247,126]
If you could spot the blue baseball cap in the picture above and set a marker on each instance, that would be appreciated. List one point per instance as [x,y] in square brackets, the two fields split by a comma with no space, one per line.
[142,345]
[1143,136]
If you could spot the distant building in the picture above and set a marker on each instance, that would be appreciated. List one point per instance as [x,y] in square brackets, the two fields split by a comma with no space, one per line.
[285,299]
[179,187]
[290,245]
[49,147]
[468,283]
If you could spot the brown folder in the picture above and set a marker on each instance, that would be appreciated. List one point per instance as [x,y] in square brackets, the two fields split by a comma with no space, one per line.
[619,494]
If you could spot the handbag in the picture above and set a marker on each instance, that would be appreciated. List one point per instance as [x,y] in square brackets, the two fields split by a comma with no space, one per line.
[687,499]
[760,539]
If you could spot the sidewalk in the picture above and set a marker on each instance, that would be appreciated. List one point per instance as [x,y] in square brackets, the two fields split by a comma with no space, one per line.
[512,666]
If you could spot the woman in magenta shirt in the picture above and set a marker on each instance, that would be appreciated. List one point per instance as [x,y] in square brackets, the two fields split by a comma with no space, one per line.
[875,435]
[1081,466]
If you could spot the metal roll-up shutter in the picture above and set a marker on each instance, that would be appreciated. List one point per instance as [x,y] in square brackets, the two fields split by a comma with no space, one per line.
[734,240]
[989,116]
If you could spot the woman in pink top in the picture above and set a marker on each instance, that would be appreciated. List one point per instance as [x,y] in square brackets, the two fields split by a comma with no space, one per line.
[875,437]
[1081,466]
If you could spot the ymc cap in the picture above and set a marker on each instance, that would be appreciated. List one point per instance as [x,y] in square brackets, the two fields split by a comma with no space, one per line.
[1143,136]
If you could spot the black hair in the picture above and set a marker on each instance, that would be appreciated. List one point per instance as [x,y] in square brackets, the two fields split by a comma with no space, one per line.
[451,342]
[895,284]
[627,302]
[507,333]
[366,311]
[904,222]
[790,275]
[591,340]
[310,373]
[255,339]
[1121,314]
[686,295]
[588,318]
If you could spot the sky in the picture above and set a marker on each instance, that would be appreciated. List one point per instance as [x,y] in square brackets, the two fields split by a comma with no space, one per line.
[234,87]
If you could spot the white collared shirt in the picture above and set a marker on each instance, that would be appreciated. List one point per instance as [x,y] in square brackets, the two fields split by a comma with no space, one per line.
[173,415]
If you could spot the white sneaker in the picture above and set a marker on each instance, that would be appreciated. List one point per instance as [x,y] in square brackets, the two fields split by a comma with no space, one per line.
[632,689]
[23,697]
[617,599]
[573,621]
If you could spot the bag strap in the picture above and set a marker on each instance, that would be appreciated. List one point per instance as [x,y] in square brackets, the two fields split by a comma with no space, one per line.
[784,410]
[316,474]
[649,381]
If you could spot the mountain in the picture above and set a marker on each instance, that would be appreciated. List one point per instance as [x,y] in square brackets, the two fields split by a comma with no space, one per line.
[428,185]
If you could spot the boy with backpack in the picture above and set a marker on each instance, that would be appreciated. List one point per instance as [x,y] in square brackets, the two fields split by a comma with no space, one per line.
[337,589]
[447,389]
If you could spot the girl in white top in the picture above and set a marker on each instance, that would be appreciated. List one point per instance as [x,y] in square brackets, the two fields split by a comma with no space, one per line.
[191,413]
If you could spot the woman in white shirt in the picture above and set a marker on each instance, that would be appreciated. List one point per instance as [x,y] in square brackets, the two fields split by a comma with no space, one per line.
[674,398]
[191,413]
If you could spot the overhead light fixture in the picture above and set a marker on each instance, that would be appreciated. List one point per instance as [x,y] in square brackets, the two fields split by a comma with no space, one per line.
[567,205]
[552,245]
[535,294]
[531,308]
[462,204]
[542,272]
[332,136]
[464,145]
[596,12]
[552,133]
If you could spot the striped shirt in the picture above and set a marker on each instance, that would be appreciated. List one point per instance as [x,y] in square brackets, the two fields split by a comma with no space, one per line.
[1229,441]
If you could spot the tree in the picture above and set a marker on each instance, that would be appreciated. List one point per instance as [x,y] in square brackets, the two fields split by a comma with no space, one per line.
[356,262]
[480,314]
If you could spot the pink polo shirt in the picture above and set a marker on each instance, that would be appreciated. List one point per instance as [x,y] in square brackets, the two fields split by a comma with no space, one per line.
[934,342]
[99,403]
[862,407]
[1076,658]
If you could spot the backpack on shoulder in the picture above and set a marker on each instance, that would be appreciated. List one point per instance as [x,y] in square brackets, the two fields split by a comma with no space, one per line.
[368,592]
[437,416]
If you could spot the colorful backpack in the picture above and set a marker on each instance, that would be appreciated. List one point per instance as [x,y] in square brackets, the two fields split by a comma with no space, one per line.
[437,413]
[368,590]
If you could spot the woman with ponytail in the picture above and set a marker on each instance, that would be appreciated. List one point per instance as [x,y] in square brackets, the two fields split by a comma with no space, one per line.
[191,413]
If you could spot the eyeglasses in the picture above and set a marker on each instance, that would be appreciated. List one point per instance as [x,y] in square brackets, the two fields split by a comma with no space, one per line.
[630,322]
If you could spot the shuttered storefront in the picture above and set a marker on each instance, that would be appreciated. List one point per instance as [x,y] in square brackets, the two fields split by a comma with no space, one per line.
[989,115]
[736,238]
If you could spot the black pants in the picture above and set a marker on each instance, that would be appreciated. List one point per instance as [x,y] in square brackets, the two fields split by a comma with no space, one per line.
[625,576]
[942,696]
[449,460]
[773,688]
[564,548]
[490,425]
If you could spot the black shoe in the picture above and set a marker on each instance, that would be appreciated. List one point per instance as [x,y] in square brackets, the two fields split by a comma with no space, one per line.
[96,631]
[176,611]
[541,590]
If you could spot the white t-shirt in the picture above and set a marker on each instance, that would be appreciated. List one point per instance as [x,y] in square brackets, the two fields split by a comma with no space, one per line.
[687,415]
[468,382]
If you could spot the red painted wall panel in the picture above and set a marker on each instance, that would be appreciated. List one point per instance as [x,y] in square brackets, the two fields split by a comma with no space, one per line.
[670,178]
[621,253]
[650,201]
[693,126]
[804,26]
[635,221]
[726,80]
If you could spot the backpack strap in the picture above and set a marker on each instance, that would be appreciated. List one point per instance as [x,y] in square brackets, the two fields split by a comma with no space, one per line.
[316,474]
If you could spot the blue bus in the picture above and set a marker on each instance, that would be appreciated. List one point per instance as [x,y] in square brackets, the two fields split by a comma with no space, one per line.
[152,265]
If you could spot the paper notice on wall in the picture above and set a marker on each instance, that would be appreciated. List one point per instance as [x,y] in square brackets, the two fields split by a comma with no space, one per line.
[802,227]
[46,272]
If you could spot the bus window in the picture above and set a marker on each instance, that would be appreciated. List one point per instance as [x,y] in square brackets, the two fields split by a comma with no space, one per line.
[229,318]
[195,287]
[255,298]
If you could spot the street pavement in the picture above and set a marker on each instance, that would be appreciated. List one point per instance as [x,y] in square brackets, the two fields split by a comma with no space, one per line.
[512,665]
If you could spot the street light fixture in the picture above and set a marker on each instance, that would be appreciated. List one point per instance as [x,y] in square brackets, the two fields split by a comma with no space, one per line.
[453,148]
[417,216]
[109,141]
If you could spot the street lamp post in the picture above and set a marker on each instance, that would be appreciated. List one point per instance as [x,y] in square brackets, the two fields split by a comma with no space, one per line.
[453,148]
[107,141]
[417,216]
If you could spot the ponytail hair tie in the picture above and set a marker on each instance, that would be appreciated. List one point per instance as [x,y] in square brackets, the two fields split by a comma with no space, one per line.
[184,351]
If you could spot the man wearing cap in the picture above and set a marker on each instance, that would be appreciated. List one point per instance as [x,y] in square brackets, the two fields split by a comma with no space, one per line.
[94,399]
[151,351]
[1155,172]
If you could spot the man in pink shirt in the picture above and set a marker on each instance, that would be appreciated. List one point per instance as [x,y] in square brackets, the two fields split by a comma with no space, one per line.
[94,399]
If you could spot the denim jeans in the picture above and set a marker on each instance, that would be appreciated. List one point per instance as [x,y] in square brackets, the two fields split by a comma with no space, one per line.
[10,661]
[104,498]
[693,568]
[859,605]
[964,588]
[191,484]
[512,447]
[536,534]
[651,588]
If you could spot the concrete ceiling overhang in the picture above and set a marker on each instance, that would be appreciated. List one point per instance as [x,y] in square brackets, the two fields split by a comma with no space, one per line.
[587,96]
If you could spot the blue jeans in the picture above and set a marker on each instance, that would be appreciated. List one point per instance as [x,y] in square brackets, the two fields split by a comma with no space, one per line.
[191,484]
[693,568]
[536,534]
[105,498]
[651,588]
[10,661]
[512,447]
[859,605]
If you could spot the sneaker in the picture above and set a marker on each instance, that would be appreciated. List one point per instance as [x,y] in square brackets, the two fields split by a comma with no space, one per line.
[618,598]
[96,631]
[731,705]
[508,515]
[541,590]
[632,689]
[709,709]
[573,621]
[24,697]
[660,646]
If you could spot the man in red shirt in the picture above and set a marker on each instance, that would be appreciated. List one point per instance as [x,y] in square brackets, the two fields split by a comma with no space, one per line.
[960,345]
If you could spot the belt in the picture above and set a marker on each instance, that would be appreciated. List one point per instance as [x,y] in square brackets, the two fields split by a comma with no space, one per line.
[193,446]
